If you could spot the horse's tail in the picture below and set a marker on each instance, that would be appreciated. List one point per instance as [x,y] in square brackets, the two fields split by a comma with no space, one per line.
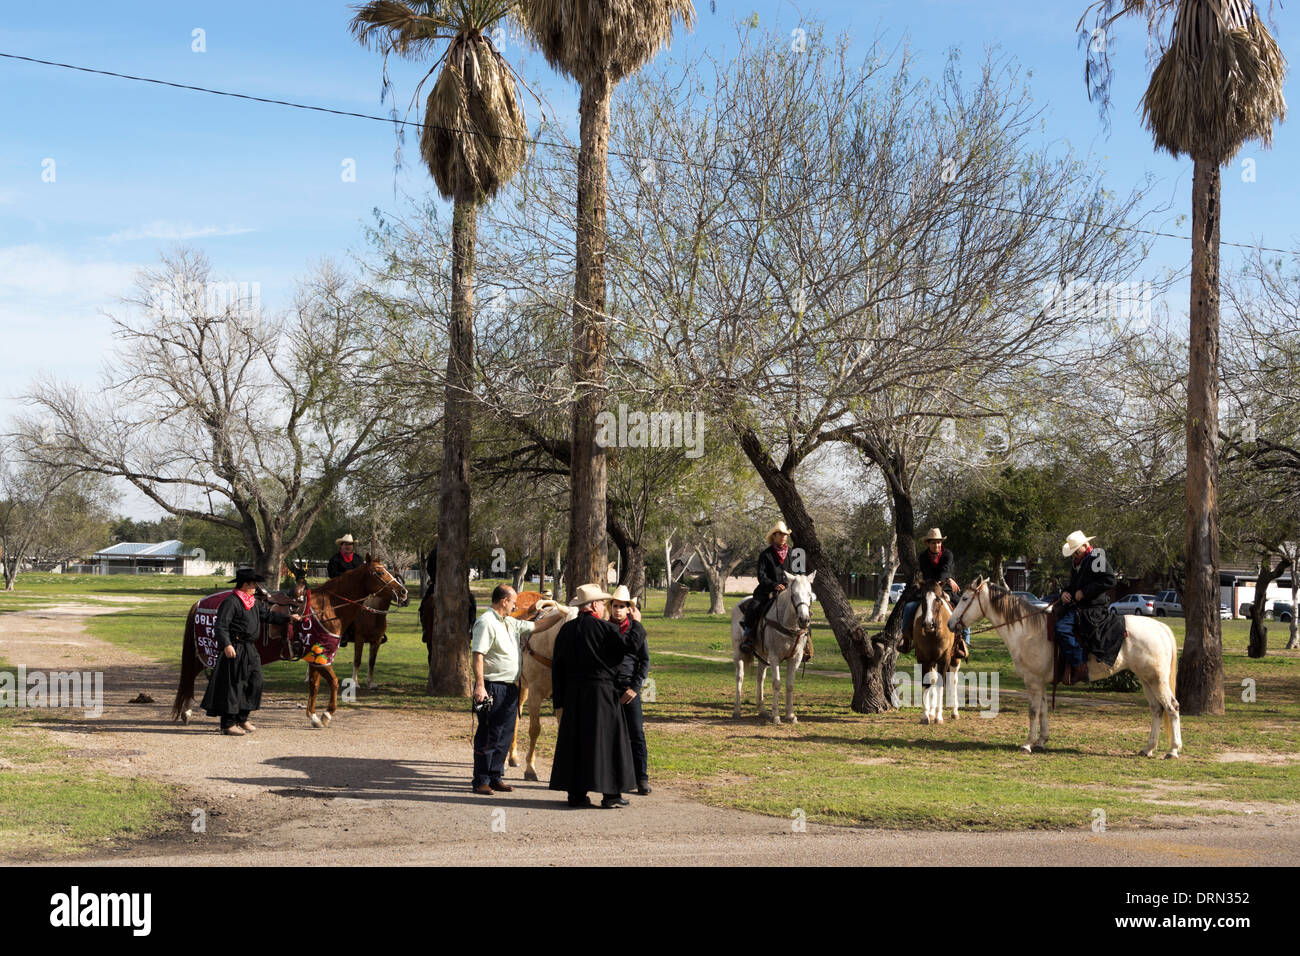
[189,668]
[1173,684]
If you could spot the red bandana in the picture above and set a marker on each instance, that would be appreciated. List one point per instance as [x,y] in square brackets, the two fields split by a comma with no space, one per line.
[347,558]
[781,552]
[248,600]
[627,622]
[1078,558]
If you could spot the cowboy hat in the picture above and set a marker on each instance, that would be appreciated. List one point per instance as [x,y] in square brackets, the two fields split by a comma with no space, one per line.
[934,534]
[346,539]
[622,596]
[778,528]
[244,575]
[588,593]
[1074,542]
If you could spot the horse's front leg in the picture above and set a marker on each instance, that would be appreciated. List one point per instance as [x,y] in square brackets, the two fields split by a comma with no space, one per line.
[740,680]
[1156,713]
[952,684]
[1035,705]
[374,653]
[313,684]
[356,663]
[776,692]
[789,688]
[334,695]
[534,731]
[760,675]
[513,759]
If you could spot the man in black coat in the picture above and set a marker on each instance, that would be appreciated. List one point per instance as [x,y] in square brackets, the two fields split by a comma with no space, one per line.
[235,688]
[773,563]
[1089,625]
[631,676]
[346,559]
[592,751]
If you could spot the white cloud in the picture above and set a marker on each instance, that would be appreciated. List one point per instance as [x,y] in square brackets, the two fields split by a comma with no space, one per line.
[173,231]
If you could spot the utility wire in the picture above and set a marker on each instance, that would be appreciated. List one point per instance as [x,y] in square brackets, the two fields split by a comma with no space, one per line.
[621,154]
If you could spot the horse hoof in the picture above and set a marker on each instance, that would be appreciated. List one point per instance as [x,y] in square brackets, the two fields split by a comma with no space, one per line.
[315,721]
[512,762]
[1146,752]
[1026,749]
[925,719]
[372,686]
[1172,755]
[530,774]
[939,719]
[185,717]
[955,715]
[325,719]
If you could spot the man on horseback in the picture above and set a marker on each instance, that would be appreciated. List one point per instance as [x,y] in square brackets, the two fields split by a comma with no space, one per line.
[1088,623]
[341,563]
[937,565]
[773,563]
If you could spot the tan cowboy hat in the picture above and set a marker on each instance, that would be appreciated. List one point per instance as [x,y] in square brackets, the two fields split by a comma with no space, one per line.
[622,596]
[934,534]
[1074,542]
[588,593]
[346,539]
[779,527]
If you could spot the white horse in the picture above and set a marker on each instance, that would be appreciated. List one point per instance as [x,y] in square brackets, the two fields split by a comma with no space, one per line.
[782,634]
[1149,651]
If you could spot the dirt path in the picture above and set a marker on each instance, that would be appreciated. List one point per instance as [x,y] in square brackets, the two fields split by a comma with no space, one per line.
[387,787]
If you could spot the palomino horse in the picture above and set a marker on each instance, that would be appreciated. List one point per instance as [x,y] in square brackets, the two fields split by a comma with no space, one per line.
[535,667]
[782,633]
[335,604]
[935,654]
[1149,651]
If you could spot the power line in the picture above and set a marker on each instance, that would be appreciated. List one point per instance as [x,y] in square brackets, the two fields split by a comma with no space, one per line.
[1137,230]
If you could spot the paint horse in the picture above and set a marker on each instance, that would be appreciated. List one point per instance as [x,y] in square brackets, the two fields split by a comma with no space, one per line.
[334,605]
[1149,651]
[935,648]
[782,634]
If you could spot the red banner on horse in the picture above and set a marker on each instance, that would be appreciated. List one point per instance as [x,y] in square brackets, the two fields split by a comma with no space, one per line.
[306,640]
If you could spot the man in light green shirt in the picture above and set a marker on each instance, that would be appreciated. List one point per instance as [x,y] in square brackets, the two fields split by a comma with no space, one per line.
[495,644]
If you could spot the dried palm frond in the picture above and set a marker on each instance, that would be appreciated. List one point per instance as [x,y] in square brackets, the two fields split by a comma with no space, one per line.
[475,134]
[603,38]
[1218,84]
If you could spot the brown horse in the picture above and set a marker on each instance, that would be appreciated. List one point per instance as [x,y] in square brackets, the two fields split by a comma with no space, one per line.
[335,604]
[936,656]
[535,667]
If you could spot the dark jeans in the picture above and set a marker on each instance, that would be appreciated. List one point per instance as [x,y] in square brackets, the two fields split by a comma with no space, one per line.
[636,736]
[229,720]
[492,739]
[1071,649]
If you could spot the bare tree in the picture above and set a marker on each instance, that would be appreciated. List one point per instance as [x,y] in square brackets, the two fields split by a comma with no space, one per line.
[208,403]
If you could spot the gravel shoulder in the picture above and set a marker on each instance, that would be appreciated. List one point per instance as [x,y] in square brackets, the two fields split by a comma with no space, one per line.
[383,787]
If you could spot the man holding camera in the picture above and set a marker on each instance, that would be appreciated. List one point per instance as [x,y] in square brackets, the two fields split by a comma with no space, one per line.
[495,645]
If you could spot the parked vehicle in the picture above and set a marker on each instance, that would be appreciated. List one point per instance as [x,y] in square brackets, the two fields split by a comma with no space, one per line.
[1141,604]
[1168,605]
[896,591]
[1283,611]
[1225,613]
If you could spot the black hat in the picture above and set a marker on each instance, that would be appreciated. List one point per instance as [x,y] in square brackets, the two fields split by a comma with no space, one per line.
[244,575]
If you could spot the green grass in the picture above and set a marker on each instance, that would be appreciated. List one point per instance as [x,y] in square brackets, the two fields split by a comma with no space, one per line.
[836,766]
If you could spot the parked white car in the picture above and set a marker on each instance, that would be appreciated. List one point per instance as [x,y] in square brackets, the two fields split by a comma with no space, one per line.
[1142,604]
[896,591]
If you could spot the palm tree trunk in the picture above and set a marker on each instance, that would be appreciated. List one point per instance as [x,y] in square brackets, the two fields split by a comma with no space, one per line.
[587,476]
[449,670]
[1200,670]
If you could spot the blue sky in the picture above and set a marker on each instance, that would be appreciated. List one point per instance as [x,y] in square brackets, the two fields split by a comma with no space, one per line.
[139,167]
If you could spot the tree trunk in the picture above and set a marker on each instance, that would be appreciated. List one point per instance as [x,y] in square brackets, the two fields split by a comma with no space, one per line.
[541,576]
[1294,642]
[999,572]
[715,587]
[1200,669]
[1258,646]
[587,475]
[449,658]
[675,605]
[870,660]
[881,610]
[521,576]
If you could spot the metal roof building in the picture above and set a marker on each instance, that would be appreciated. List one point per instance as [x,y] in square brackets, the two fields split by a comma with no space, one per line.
[130,557]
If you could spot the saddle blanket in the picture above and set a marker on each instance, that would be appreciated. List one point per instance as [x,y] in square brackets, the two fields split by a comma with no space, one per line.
[306,640]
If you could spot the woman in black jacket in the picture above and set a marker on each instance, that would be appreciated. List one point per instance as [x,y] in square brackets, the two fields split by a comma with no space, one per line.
[773,563]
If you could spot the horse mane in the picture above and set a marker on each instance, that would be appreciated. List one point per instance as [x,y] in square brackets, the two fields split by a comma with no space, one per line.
[1013,608]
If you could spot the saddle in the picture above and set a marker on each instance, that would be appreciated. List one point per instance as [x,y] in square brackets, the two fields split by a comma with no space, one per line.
[284,602]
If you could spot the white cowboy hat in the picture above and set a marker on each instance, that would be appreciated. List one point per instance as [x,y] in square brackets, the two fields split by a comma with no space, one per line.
[779,527]
[622,596]
[934,534]
[588,593]
[1074,542]
[346,539]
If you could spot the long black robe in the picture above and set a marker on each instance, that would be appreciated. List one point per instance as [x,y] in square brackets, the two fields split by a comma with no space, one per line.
[236,683]
[592,752]
[1100,631]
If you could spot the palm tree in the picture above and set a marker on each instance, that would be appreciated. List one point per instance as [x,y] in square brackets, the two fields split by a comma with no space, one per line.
[473,143]
[1218,83]
[598,43]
